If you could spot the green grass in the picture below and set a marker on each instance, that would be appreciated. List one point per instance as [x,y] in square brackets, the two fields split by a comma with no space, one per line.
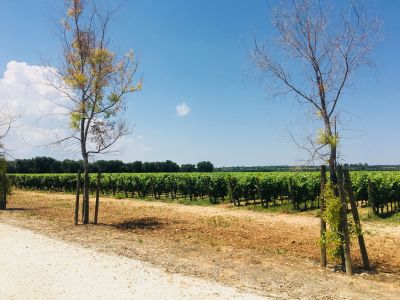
[185,201]
[370,217]
[285,208]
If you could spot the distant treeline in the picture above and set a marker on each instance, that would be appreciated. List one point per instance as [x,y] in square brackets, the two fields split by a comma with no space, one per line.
[51,165]
[284,168]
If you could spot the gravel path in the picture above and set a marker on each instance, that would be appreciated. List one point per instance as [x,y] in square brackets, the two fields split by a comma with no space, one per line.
[36,267]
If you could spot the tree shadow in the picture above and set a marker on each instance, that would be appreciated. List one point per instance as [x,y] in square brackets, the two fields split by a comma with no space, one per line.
[386,215]
[18,209]
[142,223]
[357,269]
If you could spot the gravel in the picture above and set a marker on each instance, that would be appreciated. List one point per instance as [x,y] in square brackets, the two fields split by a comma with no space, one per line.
[36,267]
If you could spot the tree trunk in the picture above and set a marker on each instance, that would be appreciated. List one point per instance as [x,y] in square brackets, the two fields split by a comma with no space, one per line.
[86,184]
[96,208]
[332,165]
[78,187]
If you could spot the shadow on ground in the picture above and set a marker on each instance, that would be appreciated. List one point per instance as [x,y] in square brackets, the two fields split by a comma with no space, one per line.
[18,209]
[142,224]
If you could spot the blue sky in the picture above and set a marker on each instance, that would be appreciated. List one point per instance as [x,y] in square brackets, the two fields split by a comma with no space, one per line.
[197,53]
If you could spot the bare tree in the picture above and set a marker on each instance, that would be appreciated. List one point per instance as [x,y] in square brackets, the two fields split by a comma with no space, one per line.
[95,81]
[6,121]
[317,50]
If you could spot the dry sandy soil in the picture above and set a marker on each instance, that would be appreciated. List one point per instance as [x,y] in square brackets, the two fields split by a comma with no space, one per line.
[274,254]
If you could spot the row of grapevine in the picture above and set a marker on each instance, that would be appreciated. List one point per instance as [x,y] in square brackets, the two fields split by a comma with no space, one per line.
[299,188]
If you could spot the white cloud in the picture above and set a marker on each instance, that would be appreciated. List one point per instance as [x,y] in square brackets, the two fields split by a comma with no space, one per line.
[26,92]
[182,109]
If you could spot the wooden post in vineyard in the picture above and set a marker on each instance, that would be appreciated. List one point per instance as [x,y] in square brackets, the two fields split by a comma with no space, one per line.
[78,188]
[323,223]
[371,200]
[343,222]
[96,208]
[83,201]
[3,202]
[356,218]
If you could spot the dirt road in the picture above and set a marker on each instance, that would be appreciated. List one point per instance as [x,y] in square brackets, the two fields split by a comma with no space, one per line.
[273,254]
[36,267]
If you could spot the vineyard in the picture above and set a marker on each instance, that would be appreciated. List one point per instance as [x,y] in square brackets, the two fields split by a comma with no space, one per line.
[379,190]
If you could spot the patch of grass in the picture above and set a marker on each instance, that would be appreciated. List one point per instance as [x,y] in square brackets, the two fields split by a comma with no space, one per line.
[120,196]
[285,208]
[64,204]
[185,201]
[218,221]
[280,251]
[371,217]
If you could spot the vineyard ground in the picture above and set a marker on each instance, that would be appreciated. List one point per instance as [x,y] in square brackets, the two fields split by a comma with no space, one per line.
[276,254]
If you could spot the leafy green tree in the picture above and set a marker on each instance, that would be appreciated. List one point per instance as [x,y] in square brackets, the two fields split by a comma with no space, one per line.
[170,166]
[136,167]
[188,168]
[205,166]
[70,166]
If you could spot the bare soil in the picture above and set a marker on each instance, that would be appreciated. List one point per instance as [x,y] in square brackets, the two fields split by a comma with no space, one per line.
[276,254]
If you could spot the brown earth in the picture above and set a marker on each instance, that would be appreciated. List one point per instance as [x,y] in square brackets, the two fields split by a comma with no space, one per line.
[276,254]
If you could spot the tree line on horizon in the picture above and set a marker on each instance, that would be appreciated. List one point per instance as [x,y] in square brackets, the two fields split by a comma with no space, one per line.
[44,164]
[50,165]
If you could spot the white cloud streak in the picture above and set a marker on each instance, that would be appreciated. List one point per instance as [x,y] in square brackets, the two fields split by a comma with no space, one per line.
[182,109]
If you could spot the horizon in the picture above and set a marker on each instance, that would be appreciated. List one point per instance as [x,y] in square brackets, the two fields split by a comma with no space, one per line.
[198,79]
[351,164]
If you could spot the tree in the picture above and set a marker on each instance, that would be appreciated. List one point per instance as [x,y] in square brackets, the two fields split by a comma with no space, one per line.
[320,47]
[6,121]
[70,166]
[95,82]
[4,186]
[188,168]
[108,166]
[170,166]
[136,167]
[205,166]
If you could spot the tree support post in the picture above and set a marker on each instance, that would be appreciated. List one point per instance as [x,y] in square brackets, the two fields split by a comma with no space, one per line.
[78,187]
[96,208]
[354,210]
[3,202]
[371,200]
[323,223]
[343,222]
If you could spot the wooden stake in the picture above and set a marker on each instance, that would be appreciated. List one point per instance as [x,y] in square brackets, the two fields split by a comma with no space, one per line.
[3,203]
[96,208]
[371,200]
[78,187]
[356,218]
[83,202]
[343,222]
[323,223]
